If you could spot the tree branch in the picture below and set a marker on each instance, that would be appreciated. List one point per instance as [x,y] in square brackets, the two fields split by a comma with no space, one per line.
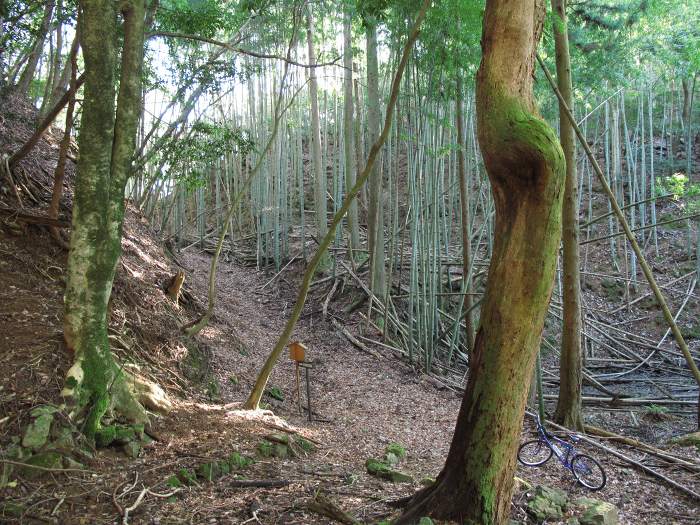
[237,49]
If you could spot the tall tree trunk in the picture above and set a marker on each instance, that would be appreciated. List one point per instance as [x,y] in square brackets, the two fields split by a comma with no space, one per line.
[525,164]
[349,133]
[686,101]
[60,172]
[375,212]
[568,411]
[30,69]
[466,236]
[320,204]
[95,384]
[3,37]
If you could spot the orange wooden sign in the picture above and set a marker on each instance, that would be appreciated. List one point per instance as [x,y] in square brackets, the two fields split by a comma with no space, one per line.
[297,351]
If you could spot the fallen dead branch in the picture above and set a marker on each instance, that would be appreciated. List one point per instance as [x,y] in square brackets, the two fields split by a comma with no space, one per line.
[325,507]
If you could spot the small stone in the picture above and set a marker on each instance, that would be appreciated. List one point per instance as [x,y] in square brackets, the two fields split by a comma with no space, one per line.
[596,512]
[382,470]
[394,448]
[71,463]
[48,460]
[132,449]
[547,503]
[105,436]
[37,432]
[391,458]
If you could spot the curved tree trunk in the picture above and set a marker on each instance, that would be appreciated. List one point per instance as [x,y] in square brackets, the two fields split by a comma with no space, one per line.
[568,411]
[95,384]
[526,167]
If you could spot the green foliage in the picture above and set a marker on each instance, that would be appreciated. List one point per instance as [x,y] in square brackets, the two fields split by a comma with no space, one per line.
[396,449]
[656,410]
[265,449]
[686,193]
[187,476]
[304,444]
[189,157]
[203,18]
[237,461]
[275,393]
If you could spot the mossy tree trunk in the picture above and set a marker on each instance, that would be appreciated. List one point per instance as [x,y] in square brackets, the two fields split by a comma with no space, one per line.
[568,411]
[525,165]
[95,385]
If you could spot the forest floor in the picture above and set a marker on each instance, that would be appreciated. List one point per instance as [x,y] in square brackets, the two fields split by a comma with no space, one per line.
[361,401]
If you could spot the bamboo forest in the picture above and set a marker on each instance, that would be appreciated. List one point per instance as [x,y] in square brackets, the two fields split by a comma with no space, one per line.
[365,262]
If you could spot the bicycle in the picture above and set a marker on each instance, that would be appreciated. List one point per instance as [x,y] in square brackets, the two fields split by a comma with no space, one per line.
[585,469]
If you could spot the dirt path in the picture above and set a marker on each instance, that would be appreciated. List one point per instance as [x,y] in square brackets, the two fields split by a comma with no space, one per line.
[367,403]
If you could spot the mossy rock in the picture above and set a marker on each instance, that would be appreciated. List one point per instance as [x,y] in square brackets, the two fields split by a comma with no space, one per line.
[237,461]
[394,448]
[425,520]
[187,476]
[547,503]
[268,449]
[265,449]
[124,435]
[105,436]
[72,464]
[279,437]
[596,512]
[132,449]
[391,459]
[37,433]
[382,470]
[209,471]
[48,460]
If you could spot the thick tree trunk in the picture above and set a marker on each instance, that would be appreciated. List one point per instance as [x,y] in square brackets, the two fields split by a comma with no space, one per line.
[375,211]
[30,69]
[568,411]
[526,167]
[348,133]
[94,384]
[466,236]
[320,204]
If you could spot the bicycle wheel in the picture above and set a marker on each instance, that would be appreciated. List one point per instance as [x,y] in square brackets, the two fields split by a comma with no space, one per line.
[533,453]
[588,471]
